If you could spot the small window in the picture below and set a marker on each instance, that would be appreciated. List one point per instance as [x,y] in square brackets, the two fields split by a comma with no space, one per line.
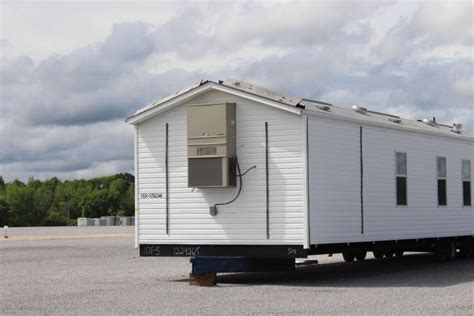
[466,182]
[442,200]
[441,163]
[442,178]
[466,170]
[401,177]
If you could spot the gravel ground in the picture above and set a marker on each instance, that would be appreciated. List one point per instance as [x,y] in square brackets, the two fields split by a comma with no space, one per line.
[96,270]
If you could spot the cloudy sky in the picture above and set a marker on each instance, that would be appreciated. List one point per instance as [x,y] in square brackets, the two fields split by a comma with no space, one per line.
[71,72]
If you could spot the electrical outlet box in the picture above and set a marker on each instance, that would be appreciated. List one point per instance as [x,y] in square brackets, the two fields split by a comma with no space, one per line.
[213,210]
[211,132]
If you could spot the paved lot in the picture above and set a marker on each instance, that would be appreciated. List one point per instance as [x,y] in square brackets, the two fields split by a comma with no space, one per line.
[96,270]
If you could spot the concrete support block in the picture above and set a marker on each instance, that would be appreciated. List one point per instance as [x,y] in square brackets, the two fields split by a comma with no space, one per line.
[204,279]
[82,221]
[125,220]
[106,221]
[110,220]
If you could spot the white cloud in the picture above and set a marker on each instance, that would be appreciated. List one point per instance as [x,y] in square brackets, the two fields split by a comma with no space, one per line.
[41,28]
[71,73]
[463,90]
[447,22]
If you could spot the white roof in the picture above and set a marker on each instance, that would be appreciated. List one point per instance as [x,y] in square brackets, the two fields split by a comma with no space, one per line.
[385,119]
[309,106]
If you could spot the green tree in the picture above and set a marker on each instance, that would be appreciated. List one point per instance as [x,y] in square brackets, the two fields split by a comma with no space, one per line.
[129,201]
[57,216]
[95,204]
[2,187]
[20,201]
[4,212]
[52,202]
[118,196]
[43,199]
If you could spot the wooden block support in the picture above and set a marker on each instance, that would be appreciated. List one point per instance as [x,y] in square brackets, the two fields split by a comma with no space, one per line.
[204,279]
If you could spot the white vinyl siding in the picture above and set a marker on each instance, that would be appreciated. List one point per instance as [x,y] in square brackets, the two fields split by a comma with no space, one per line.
[335,185]
[422,217]
[244,221]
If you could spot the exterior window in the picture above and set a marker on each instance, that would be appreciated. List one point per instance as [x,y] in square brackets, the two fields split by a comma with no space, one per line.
[401,177]
[466,182]
[441,174]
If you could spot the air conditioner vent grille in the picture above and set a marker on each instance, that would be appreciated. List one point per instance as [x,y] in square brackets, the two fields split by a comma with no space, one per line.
[206,151]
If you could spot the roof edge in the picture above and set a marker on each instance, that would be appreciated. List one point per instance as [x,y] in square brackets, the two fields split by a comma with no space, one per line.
[460,137]
[184,95]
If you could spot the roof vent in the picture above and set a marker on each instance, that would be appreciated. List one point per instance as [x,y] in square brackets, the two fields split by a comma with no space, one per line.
[395,120]
[430,122]
[326,108]
[457,128]
[359,109]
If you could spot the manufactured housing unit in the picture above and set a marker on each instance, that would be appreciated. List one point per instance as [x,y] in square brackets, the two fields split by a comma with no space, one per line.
[231,169]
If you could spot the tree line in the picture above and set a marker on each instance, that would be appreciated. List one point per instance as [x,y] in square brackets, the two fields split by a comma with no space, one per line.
[53,202]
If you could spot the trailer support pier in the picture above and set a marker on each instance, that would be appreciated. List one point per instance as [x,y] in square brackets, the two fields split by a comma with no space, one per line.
[205,269]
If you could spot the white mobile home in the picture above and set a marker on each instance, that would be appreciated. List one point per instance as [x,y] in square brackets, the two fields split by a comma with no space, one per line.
[231,169]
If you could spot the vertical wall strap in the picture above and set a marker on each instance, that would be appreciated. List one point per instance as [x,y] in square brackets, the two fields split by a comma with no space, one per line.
[267,182]
[308,200]
[361,185]
[167,181]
